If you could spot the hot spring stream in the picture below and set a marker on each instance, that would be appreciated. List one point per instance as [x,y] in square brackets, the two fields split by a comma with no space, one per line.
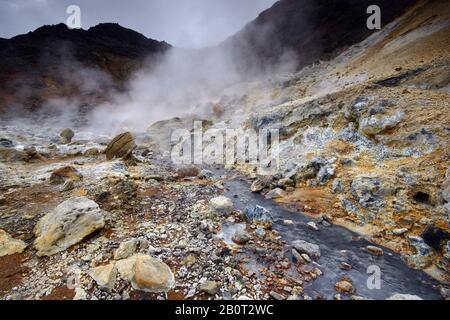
[396,276]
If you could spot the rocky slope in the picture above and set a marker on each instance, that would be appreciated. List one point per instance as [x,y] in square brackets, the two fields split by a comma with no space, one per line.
[305,31]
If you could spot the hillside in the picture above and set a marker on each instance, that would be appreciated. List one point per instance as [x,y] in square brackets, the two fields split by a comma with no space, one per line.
[54,61]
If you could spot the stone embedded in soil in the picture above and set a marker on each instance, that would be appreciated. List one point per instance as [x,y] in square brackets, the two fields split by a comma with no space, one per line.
[59,176]
[152,275]
[306,247]
[126,249]
[209,287]
[104,276]
[221,205]
[120,147]
[9,245]
[69,223]
[66,135]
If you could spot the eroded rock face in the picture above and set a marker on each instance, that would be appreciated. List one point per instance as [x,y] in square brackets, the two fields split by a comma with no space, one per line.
[9,245]
[67,224]
[120,147]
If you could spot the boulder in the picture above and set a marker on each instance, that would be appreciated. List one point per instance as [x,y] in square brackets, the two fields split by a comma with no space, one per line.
[66,135]
[120,147]
[67,224]
[306,247]
[9,245]
[152,275]
[104,276]
[59,176]
[221,205]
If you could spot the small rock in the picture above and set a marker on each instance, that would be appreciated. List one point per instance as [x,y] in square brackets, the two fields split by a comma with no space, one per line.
[346,266]
[258,215]
[312,226]
[91,152]
[66,136]
[260,184]
[189,260]
[210,287]
[241,237]
[345,286]
[375,250]
[67,186]
[9,245]
[187,171]
[276,295]
[275,193]
[399,231]
[221,205]
[60,175]
[126,249]
[306,247]
[104,276]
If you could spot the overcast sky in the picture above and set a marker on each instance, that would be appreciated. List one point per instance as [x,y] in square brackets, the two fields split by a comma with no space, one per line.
[183,23]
